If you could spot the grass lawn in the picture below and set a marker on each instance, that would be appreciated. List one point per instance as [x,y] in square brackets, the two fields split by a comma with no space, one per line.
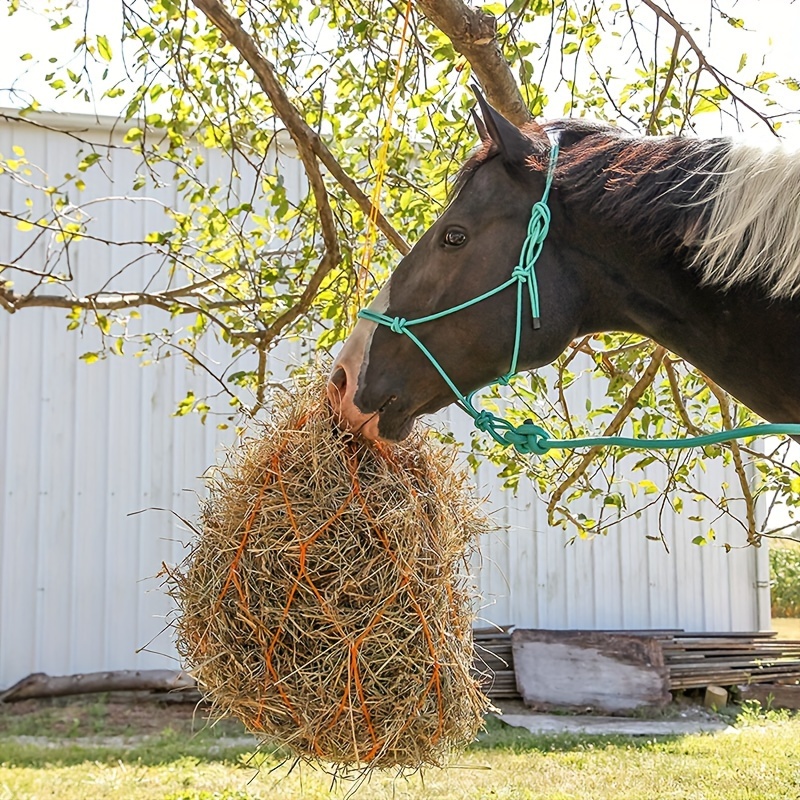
[787,627]
[759,760]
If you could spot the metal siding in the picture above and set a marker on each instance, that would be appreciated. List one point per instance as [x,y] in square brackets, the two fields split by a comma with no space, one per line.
[84,447]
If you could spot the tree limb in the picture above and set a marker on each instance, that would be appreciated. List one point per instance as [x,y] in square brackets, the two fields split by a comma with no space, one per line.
[117,301]
[704,63]
[619,418]
[309,144]
[652,124]
[725,409]
[677,398]
[41,685]
[473,33]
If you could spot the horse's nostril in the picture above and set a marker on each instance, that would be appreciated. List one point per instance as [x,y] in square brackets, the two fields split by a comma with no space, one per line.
[339,379]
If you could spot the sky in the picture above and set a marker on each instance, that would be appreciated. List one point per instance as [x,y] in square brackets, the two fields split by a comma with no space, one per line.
[769,38]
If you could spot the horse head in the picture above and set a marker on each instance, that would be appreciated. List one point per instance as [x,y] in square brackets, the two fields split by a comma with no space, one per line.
[691,242]
[380,381]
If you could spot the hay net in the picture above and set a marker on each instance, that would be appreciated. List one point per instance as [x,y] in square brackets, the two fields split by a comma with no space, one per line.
[326,602]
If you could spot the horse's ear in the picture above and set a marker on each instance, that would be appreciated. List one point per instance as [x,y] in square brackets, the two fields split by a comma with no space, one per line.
[510,141]
[482,132]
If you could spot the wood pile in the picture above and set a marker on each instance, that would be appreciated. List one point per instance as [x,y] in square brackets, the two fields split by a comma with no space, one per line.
[692,660]
[695,660]
[494,663]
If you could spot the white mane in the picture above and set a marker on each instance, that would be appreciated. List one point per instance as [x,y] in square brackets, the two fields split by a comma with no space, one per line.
[752,226]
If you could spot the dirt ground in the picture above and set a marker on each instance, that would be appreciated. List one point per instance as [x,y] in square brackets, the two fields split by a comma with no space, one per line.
[107,715]
[136,717]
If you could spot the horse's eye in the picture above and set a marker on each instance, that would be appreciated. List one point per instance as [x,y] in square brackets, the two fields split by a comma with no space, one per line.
[455,237]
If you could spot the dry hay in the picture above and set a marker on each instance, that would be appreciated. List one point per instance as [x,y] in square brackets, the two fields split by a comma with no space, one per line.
[326,602]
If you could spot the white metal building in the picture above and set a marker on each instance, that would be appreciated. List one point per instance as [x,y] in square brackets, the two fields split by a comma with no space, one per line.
[84,448]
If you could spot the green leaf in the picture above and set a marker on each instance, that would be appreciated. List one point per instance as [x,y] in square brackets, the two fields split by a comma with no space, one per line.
[133,135]
[104,323]
[742,62]
[704,105]
[104,48]
[185,406]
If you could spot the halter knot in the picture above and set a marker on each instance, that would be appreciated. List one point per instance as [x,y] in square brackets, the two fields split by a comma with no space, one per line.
[484,421]
[528,438]
[398,325]
[521,273]
[539,223]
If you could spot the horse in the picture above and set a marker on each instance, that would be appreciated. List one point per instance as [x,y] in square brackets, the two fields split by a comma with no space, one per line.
[693,243]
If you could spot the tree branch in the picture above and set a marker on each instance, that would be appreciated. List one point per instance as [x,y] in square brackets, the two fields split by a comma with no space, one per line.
[309,144]
[725,409]
[619,418]
[652,124]
[704,63]
[474,34]
[117,301]
[677,398]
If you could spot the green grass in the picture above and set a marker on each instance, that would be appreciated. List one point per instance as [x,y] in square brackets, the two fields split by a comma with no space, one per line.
[760,760]
[787,627]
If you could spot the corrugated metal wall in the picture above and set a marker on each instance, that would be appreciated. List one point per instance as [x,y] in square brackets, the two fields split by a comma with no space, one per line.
[84,448]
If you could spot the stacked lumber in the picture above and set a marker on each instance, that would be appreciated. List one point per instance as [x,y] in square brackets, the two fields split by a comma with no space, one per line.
[690,660]
[494,663]
[694,660]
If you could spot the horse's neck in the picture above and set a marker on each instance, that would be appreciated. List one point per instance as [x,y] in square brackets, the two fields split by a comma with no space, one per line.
[748,344]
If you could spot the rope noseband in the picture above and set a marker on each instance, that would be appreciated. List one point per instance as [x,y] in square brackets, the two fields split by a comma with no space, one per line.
[529,437]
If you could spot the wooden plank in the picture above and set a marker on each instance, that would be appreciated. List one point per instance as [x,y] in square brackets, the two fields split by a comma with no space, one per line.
[777,668]
[574,669]
[722,645]
[730,663]
[732,653]
[772,695]
[768,644]
[731,678]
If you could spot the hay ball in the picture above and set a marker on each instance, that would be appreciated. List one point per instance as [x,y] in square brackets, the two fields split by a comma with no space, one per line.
[326,602]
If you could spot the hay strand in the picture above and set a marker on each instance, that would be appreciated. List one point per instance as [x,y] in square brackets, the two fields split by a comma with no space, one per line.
[326,603]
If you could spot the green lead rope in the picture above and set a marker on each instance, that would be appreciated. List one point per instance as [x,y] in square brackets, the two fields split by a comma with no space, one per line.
[529,437]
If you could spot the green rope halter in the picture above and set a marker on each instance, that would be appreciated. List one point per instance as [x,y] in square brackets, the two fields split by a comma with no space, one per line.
[529,437]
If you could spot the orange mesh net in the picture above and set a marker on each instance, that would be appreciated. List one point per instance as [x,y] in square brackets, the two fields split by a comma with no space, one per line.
[326,602]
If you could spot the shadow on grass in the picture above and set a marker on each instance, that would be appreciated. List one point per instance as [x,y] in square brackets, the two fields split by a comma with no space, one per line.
[165,748]
[501,737]
[204,747]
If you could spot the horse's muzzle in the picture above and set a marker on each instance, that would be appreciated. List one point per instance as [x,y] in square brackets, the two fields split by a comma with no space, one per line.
[341,389]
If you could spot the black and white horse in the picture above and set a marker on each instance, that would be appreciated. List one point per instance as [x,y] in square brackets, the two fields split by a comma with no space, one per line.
[694,243]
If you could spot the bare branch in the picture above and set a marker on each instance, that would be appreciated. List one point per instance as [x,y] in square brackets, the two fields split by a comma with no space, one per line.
[704,63]
[677,398]
[652,124]
[725,409]
[619,418]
